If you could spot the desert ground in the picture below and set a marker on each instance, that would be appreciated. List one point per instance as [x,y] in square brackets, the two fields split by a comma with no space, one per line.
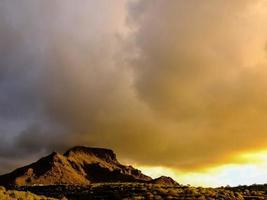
[136,191]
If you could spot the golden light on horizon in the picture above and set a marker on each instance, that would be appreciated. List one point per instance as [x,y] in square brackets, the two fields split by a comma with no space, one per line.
[252,170]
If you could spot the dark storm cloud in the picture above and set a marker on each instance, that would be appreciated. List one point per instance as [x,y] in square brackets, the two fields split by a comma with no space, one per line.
[171,84]
[57,70]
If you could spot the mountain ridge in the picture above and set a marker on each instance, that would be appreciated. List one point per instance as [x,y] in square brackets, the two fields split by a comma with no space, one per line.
[79,165]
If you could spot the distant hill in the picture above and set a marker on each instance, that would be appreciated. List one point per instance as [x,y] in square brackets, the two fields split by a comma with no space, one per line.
[164,180]
[78,166]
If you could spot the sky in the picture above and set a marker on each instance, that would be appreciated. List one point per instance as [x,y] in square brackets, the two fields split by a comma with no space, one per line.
[174,87]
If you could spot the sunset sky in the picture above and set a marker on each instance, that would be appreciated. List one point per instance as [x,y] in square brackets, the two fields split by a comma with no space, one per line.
[175,87]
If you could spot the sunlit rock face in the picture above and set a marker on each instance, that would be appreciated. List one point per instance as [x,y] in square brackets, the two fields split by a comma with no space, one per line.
[78,166]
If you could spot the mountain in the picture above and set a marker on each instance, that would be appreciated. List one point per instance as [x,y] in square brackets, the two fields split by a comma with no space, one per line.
[164,180]
[78,166]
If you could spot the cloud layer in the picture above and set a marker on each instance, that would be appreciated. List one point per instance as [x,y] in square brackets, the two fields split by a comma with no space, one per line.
[179,83]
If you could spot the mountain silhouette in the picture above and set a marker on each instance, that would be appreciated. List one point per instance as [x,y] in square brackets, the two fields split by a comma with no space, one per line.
[78,166]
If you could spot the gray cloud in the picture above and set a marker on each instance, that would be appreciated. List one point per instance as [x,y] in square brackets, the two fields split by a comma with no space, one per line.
[175,84]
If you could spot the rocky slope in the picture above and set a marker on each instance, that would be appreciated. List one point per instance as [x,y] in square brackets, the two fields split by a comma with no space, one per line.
[78,166]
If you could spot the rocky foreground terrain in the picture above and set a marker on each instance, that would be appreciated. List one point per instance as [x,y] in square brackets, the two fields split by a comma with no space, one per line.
[15,195]
[140,191]
[95,173]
